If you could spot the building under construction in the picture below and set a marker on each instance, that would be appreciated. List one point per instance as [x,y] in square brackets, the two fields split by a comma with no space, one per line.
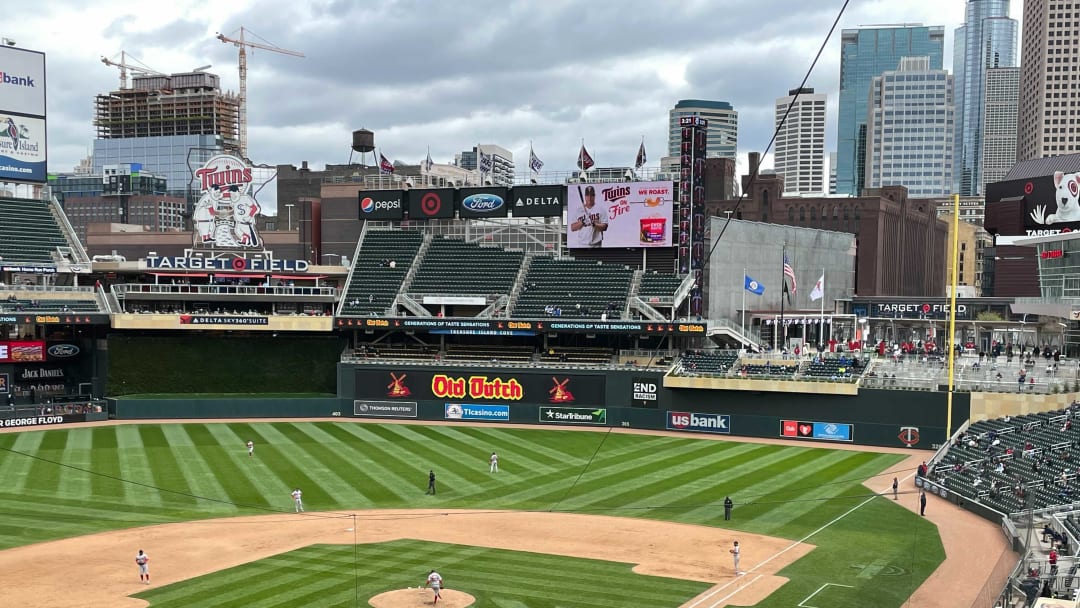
[190,103]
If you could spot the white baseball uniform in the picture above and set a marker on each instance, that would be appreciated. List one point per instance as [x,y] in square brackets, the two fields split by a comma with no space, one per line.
[297,497]
[435,582]
[251,447]
[143,561]
[494,462]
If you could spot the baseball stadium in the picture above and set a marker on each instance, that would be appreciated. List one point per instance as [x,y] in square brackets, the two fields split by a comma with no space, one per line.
[548,394]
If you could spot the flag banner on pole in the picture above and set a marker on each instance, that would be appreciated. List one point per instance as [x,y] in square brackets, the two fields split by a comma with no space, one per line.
[641,159]
[790,273]
[584,159]
[385,166]
[428,163]
[818,291]
[749,284]
[534,161]
[485,161]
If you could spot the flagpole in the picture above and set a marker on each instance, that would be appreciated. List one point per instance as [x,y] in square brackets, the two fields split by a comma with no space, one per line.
[821,321]
[742,328]
[783,291]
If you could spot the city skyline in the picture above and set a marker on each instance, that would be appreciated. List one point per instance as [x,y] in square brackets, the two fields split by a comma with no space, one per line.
[438,92]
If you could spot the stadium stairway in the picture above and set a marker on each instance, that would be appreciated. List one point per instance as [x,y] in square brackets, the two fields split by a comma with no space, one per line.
[373,284]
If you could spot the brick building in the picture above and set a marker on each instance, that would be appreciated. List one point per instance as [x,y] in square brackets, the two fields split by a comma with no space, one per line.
[901,241]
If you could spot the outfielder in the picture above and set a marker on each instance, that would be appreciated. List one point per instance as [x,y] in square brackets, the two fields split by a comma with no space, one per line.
[251,448]
[143,560]
[494,463]
[297,497]
[435,582]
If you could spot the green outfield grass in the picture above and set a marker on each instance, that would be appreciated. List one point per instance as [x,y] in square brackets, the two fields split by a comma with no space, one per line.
[322,575]
[881,550]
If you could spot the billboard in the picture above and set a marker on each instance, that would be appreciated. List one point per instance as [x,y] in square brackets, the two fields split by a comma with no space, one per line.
[1051,202]
[226,211]
[22,352]
[538,201]
[22,81]
[22,148]
[479,386]
[381,204]
[384,409]
[573,415]
[501,327]
[619,214]
[828,431]
[699,423]
[489,201]
[471,411]
[431,203]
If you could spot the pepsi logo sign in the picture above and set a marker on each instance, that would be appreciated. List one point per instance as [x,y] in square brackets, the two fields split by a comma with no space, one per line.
[370,205]
[482,203]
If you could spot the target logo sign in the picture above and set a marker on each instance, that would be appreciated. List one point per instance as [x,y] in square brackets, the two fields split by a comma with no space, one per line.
[432,203]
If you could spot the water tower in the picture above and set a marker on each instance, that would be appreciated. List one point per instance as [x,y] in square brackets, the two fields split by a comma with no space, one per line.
[363,141]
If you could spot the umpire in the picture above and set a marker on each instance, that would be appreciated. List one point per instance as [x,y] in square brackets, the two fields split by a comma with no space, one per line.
[728,505]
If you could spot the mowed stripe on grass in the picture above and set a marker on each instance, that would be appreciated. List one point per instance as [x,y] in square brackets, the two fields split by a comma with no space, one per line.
[323,575]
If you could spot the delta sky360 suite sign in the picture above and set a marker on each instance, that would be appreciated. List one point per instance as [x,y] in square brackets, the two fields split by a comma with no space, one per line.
[619,214]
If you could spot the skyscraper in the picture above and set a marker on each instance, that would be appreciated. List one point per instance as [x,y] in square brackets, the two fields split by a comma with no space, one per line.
[999,123]
[723,132]
[800,142]
[909,135]
[1048,79]
[864,54]
[986,40]
[502,163]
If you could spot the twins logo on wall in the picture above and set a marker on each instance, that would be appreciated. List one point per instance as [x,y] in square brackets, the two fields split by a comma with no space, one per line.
[226,211]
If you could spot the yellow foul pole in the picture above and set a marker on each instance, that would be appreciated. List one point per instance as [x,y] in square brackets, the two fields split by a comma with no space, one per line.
[953,281]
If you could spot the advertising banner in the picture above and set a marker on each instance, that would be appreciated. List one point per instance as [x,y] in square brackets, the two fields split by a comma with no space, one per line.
[235,264]
[5,384]
[223,320]
[22,352]
[384,409]
[573,415]
[382,204]
[506,387]
[645,392]
[22,147]
[700,423]
[1051,202]
[22,81]
[471,411]
[619,214]
[827,431]
[496,327]
[917,310]
[431,203]
[538,201]
[490,201]
[63,350]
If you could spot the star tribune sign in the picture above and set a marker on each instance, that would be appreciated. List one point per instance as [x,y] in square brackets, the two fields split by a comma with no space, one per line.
[226,212]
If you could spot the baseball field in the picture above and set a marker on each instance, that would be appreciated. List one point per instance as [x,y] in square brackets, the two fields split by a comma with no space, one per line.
[572,518]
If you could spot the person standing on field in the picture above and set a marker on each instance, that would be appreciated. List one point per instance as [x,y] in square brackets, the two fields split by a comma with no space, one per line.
[895,487]
[435,582]
[143,561]
[430,483]
[735,553]
[298,498]
[922,503]
[494,463]
[251,448]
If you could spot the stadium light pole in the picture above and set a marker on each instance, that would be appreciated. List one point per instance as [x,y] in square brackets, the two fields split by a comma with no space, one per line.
[955,249]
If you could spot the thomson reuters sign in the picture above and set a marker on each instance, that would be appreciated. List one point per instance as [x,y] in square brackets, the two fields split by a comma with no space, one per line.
[381,205]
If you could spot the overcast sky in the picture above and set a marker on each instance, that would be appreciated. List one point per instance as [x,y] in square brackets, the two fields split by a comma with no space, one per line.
[449,75]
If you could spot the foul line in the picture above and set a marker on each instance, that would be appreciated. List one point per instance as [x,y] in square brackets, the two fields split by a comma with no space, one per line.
[802,604]
[716,590]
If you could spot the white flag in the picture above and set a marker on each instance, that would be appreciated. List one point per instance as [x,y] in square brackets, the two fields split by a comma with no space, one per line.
[818,291]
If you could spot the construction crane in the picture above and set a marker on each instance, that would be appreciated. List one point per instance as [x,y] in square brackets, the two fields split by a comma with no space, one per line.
[242,43]
[125,67]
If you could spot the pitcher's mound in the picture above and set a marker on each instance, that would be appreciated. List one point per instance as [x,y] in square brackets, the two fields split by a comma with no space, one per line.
[417,598]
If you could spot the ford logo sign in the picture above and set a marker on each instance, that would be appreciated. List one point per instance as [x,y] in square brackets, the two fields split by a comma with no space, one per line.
[482,203]
[63,351]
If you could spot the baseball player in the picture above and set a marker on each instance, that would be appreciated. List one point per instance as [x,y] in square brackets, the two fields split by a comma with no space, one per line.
[735,552]
[297,497]
[494,462]
[435,582]
[143,560]
[251,448]
[591,224]
[430,483]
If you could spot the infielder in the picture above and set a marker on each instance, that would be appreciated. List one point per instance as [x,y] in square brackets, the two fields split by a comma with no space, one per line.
[735,552]
[494,462]
[435,582]
[297,497]
[143,560]
[251,448]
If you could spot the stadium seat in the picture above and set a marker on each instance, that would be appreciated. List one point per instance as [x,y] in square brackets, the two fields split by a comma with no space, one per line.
[658,285]
[573,288]
[454,267]
[28,231]
[373,285]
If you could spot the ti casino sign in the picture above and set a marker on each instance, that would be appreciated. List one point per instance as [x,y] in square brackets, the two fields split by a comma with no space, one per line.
[226,264]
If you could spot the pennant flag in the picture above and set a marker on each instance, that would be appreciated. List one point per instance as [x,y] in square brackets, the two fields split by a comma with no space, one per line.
[428,163]
[752,286]
[818,291]
[790,273]
[641,158]
[584,160]
[534,161]
[385,166]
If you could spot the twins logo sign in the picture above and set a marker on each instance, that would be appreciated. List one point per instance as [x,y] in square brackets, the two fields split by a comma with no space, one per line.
[909,435]
[700,423]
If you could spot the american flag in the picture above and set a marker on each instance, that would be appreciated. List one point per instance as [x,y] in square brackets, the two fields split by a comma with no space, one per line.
[385,166]
[534,161]
[790,273]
